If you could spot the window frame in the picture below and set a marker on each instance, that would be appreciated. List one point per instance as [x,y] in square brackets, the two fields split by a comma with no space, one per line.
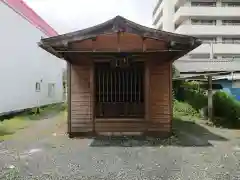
[38,87]
[51,90]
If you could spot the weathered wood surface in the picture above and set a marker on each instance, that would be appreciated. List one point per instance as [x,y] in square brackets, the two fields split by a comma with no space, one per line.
[158,105]
[81,106]
[160,109]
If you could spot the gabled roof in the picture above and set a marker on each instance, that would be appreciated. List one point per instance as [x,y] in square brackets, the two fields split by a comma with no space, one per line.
[120,24]
[26,12]
[116,25]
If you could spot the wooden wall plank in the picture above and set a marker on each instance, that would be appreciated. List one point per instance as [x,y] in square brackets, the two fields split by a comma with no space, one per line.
[81,97]
[120,126]
[160,105]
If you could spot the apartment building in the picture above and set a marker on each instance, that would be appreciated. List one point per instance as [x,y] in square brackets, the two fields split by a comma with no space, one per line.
[215,22]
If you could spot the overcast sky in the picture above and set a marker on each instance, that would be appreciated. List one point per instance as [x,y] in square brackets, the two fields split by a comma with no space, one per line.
[70,15]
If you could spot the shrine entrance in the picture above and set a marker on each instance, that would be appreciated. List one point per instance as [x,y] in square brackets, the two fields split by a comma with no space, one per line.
[119,89]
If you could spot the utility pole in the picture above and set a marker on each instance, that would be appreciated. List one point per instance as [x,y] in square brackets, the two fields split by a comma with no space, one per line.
[210,94]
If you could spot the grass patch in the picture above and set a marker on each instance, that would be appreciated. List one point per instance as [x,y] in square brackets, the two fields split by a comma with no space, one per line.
[184,111]
[10,125]
[10,174]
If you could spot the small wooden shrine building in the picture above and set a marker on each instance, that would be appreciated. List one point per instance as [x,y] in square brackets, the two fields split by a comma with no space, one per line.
[119,77]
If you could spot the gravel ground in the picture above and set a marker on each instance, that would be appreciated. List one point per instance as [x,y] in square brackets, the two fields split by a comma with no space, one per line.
[195,152]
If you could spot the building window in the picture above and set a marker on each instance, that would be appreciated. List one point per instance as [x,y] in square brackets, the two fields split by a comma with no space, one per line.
[199,56]
[208,4]
[203,22]
[231,40]
[231,4]
[231,22]
[51,89]
[231,57]
[203,57]
[37,87]
[208,39]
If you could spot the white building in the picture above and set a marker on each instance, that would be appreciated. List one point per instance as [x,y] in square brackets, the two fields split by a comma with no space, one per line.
[29,76]
[213,21]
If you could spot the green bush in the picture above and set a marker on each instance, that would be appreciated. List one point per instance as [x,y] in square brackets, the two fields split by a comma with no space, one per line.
[194,95]
[189,97]
[226,109]
[184,109]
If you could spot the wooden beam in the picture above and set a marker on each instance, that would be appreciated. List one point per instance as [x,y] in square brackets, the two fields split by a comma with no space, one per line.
[92,89]
[147,89]
[114,51]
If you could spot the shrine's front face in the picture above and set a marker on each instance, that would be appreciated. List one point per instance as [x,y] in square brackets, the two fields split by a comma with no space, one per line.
[126,95]
[119,76]
[120,83]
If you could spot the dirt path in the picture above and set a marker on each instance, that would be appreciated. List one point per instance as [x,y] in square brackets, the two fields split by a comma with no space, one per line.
[27,138]
[197,152]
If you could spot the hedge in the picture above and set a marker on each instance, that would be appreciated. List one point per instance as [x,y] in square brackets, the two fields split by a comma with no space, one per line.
[226,109]
[191,93]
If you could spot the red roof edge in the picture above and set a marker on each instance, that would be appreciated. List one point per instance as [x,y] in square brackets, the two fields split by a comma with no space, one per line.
[25,11]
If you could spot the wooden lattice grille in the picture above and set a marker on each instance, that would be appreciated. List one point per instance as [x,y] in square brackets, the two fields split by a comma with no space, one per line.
[119,90]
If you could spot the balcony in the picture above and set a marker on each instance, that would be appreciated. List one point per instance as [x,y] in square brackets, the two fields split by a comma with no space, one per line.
[184,13]
[208,30]
[178,3]
[158,13]
[218,49]
[159,25]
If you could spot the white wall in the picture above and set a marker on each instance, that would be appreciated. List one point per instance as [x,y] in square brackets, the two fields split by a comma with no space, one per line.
[23,63]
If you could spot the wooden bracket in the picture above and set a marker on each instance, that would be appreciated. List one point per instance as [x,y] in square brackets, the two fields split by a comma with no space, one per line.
[94,44]
[143,44]
[118,40]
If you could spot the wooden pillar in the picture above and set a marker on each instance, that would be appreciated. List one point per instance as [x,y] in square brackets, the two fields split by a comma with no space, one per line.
[92,97]
[69,97]
[210,100]
[147,91]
